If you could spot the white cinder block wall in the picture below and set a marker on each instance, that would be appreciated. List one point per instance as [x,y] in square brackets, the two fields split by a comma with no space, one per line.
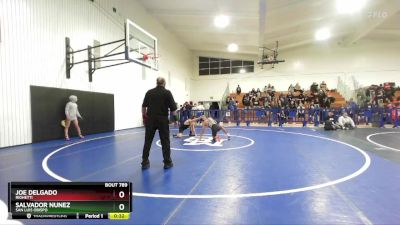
[369,61]
[32,52]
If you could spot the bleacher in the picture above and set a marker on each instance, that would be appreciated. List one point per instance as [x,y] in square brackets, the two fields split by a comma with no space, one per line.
[339,99]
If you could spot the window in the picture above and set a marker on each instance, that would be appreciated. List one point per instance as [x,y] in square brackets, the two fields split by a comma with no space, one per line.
[217,66]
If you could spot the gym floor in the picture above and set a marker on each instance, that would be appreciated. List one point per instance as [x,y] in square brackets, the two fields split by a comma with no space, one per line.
[261,176]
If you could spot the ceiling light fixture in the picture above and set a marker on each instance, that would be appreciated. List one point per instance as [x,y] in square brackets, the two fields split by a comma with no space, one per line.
[322,34]
[349,6]
[232,47]
[242,70]
[221,21]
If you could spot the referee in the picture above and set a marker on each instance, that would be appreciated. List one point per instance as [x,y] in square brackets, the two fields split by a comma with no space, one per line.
[155,107]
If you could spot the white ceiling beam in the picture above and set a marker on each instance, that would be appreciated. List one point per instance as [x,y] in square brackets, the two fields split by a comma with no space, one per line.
[306,41]
[391,32]
[212,47]
[375,17]
[225,55]
[212,30]
[198,13]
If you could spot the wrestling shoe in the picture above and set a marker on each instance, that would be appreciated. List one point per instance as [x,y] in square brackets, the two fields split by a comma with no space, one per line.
[168,165]
[145,164]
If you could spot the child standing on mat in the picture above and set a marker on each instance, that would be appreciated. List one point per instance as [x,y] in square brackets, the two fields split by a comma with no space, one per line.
[72,114]
[211,123]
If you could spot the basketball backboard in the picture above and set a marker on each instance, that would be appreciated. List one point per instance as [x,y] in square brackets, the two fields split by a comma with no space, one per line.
[140,46]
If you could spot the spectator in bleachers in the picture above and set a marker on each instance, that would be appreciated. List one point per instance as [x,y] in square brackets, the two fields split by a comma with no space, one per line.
[380,97]
[289,97]
[297,87]
[282,100]
[323,86]
[272,91]
[282,116]
[231,104]
[255,101]
[314,88]
[238,90]
[267,105]
[214,107]
[253,92]
[389,90]
[301,98]
[268,98]
[228,98]
[246,100]
[291,89]
[301,113]
[269,88]
[200,106]
[265,89]
[328,101]
[258,93]
[351,107]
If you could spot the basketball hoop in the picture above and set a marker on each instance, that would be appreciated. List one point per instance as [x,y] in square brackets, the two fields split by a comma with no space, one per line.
[145,57]
[152,56]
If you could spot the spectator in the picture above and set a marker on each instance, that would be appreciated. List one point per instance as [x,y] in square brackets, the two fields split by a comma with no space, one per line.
[291,89]
[269,88]
[297,87]
[351,107]
[214,110]
[323,86]
[301,111]
[258,93]
[255,101]
[228,98]
[267,105]
[231,105]
[272,91]
[314,88]
[238,90]
[194,106]
[282,100]
[246,100]
[200,106]
[282,116]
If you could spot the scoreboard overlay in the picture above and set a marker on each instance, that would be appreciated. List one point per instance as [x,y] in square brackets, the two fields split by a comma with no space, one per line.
[70,200]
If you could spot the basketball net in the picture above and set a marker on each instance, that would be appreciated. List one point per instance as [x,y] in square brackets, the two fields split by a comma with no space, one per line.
[150,56]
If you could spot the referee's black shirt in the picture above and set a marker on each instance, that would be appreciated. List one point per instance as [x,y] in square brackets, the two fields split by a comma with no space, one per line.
[158,100]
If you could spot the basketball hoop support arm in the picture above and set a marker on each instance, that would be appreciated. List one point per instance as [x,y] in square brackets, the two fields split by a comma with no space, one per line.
[91,59]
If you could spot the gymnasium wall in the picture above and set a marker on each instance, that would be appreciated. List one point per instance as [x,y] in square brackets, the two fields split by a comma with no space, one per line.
[48,109]
[369,62]
[32,52]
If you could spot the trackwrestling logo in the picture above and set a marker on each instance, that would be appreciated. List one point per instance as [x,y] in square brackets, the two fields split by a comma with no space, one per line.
[205,141]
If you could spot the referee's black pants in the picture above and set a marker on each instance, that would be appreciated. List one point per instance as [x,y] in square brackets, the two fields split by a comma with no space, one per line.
[162,124]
